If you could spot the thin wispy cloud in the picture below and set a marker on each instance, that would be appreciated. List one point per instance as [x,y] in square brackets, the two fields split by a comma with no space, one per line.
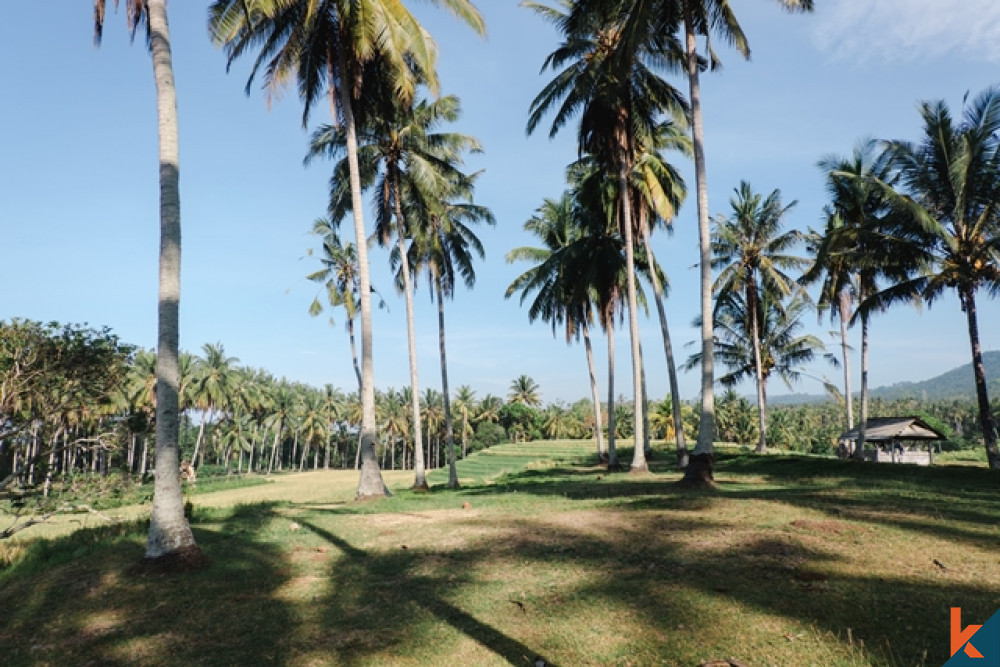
[910,30]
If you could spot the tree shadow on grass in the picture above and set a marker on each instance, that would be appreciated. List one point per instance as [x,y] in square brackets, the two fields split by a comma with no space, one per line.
[935,501]
[681,583]
[80,599]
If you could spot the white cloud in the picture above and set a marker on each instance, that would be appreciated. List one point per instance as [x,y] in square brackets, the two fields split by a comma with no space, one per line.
[907,30]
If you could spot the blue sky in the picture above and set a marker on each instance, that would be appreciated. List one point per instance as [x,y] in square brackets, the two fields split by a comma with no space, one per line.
[78,184]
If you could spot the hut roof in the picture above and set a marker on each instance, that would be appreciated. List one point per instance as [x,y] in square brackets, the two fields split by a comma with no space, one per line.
[881,429]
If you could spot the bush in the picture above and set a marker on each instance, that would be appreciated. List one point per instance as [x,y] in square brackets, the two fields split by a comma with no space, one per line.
[487,434]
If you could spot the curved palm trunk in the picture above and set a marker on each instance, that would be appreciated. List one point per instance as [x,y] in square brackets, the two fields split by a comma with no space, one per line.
[169,532]
[612,451]
[354,350]
[639,455]
[845,315]
[699,470]
[757,366]
[420,475]
[201,435]
[675,393]
[968,300]
[370,482]
[449,431]
[598,425]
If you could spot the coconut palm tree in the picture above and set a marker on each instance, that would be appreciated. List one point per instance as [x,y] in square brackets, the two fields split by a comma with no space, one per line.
[524,391]
[751,252]
[706,18]
[557,224]
[607,82]
[341,278]
[947,198]
[404,156]
[169,532]
[775,347]
[856,254]
[213,387]
[465,403]
[326,46]
[446,246]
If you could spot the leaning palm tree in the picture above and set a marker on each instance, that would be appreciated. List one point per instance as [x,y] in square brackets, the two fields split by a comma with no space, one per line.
[169,533]
[948,198]
[751,251]
[327,45]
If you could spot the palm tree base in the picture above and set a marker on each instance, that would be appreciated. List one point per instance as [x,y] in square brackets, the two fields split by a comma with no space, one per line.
[698,473]
[614,466]
[638,470]
[185,559]
[421,487]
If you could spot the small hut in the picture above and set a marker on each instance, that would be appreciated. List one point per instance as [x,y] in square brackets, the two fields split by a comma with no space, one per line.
[888,435]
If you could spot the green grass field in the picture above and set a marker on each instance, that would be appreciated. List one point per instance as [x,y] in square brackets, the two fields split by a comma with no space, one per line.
[541,554]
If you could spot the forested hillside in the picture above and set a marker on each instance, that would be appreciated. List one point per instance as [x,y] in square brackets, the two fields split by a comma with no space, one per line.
[956,383]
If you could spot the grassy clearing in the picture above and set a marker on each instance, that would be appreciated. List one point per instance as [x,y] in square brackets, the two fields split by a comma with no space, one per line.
[791,561]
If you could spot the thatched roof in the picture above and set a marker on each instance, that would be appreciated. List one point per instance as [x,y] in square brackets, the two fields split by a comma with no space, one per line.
[885,429]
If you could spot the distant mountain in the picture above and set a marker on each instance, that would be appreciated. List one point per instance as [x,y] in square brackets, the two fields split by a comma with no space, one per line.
[956,383]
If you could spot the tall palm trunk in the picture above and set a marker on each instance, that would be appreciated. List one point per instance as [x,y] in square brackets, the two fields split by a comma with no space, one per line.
[449,430]
[699,470]
[968,300]
[845,314]
[420,475]
[612,451]
[639,455]
[675,392]
[859,449]
[758,368]
[169,532]
[598,425]
[370,482]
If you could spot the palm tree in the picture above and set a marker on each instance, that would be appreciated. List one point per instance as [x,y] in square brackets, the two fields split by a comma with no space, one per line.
[706,18]
[775,347]
[608,82]
[558,225]
[751,251]
[169,532]
[341,278]
[947,198]
[213,387]
[855,252]
[524,391]
[446,245]
[326,45]
[465,402]
[403,155]
[489,409]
